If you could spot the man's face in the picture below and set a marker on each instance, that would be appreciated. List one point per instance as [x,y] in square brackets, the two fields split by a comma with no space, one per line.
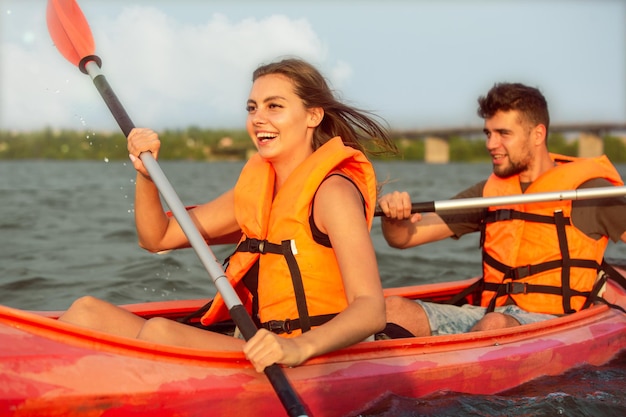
[509,143]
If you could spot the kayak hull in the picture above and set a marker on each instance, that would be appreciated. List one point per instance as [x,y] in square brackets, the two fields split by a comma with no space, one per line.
[49,368]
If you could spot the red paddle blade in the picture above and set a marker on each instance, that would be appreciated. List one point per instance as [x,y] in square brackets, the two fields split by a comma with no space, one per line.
[69,30]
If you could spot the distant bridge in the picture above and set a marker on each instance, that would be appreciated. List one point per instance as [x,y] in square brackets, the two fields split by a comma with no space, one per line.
[437,148]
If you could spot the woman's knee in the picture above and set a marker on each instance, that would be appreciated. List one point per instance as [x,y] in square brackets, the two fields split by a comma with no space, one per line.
[86,302]
[155,329]
[87,307]
[85,311]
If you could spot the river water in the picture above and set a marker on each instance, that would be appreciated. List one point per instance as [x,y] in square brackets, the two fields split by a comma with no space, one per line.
[67,229]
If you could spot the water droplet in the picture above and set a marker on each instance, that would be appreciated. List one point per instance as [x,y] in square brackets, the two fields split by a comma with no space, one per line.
[28,37]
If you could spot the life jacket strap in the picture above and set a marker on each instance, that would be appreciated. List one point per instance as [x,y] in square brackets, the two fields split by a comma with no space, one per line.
[560,223]
[608,273]
[509,214]
[524,271]
[514,287]
[287,249]
[289,325]
[259,246]
[493,216]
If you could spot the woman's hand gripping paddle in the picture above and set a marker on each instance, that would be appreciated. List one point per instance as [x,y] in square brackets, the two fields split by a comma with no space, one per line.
[72,36]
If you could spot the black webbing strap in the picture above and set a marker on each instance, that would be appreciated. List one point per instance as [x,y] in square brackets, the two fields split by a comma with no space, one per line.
[259,246]
[298,286]
[493,216]
[610,274]
[614,275]
[196,314]
[262,247]
[595,291]
[527,270]
[559,220]
[289,325]
[509,214]
[476,288]
[395,331]
[514,287]
[615,306]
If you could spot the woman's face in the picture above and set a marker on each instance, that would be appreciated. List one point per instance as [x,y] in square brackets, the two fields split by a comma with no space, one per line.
[278,122]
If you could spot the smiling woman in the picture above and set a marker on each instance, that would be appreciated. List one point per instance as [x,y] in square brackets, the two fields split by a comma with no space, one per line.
[300,156]
[317,301]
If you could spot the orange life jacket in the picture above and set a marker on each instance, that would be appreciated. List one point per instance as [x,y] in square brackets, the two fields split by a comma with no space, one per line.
[532,252]
[299,281]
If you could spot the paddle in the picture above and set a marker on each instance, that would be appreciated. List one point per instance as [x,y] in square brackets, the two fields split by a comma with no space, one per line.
[482,202]
[72,36]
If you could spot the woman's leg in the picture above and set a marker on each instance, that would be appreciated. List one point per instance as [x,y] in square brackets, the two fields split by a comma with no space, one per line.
[96,314]
[93,313]
[169,332]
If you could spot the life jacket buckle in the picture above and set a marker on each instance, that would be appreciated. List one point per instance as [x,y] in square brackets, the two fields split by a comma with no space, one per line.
[521,272]
[279,326]
[287,326]
[504,214]
[256,245]
[513,287]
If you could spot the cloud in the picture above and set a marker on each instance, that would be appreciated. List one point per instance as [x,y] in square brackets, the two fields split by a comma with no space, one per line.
[417,64]
[166,73]
[204,70]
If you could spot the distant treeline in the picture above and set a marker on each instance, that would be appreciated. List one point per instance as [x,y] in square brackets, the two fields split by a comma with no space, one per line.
[206,144]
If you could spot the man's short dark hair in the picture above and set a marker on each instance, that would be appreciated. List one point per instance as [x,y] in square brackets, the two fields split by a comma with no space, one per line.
[528,101]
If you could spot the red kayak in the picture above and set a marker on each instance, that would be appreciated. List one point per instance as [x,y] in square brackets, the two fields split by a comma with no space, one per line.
[48,368]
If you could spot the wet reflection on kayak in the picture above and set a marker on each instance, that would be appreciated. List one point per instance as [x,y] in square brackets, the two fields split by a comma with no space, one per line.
[587,391]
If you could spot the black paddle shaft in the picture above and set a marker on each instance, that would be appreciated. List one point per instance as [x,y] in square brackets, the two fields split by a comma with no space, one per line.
[108,95]
[288,397]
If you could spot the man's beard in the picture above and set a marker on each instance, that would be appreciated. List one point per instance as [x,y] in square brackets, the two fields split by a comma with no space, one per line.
[513,168]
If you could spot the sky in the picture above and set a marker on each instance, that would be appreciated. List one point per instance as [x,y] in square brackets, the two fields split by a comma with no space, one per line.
[418,64]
